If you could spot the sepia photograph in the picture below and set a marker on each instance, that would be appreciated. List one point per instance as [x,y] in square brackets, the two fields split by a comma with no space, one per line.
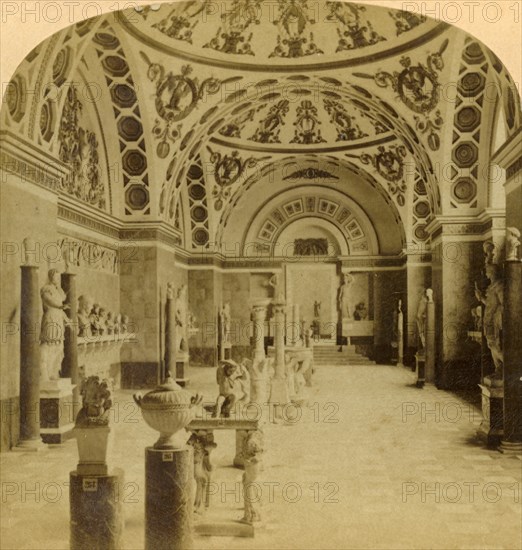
[261,275]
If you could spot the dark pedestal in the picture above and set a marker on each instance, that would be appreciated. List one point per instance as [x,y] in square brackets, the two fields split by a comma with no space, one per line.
[56,411]
[96,511]
[169,499]
[181,379]
[491,429]
[420,368]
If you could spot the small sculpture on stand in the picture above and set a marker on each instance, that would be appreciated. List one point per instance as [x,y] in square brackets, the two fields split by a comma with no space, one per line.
[225,319]
[94,318]
[96,403]
[181,319]
[512,244]
[360,312]
[84,312]
[275,283]
[52,333]
[125,324]
[253,448]
[234,387]
[109,323]
[317,309]
[203,443]
[493,299]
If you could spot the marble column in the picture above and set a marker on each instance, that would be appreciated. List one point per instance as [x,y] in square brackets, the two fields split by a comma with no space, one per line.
[278,388]
[30,439]
[512,333]
[400,335]
[259,315]
[294,327]
[430,338]
[70,358]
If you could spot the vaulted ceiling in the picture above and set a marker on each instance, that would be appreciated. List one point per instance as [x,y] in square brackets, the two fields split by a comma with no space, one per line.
[199,114]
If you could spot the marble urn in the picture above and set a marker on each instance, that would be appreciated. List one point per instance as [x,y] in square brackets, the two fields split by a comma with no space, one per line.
[168,409]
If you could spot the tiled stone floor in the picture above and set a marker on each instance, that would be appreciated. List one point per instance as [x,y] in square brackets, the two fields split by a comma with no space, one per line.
[372,463]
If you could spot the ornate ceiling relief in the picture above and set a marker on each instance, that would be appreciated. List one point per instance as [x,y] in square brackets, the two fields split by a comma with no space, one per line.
[469,106]
[177,95]
[78,149]
[227,170]
[198,205]
[422,211]
[389,163]
[418,87]
[128,121]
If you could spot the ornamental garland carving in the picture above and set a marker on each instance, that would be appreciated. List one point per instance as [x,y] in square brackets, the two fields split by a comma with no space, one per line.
[177,95]
[78,149]
[292,22]
[310,247]
[354,32]
[270,126]
[347,128]
[418,87]
[78,253]
[389,163]
[307,123]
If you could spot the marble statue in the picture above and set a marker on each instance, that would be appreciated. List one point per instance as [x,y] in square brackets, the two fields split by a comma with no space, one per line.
[343,302]
[258,371]
[234,387]
[421,317]
[203,443]
[476,315]
[493,299]
[181,319]
[96,403]
[275,283]
[512,244]
[317,309]
[84,313]
[490,251]
[94,318]
[253,448]
[225,320]
[52,332]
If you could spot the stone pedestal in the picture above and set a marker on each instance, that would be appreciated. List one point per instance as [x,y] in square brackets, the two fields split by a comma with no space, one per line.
[94,445]
[225,351]
[400,338]
[491,429]
[512,333]
[56,410]
[30,439]
[181,364]
[278,387]
[430,342]
[96,511]
[169,498]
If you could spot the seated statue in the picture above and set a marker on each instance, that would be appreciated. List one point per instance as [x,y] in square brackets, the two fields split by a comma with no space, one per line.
[233,381]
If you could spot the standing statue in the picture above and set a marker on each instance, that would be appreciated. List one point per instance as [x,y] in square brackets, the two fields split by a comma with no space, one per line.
[253,448]
[317,309]
[512,244]
[343,302]
[203,443]
[275,283]
[234,387]
[52,331]
[225,322]
[181,318]
[493,299]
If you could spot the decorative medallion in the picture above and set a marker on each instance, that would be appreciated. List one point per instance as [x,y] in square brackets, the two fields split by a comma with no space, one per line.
[389,163]
[134,162]
[464,190]
[16,97]
[468,119]
[47,119]
[465,154]
[123,95]
[176,97]
[61,66]
[228,169]
[471,84]
[136,196]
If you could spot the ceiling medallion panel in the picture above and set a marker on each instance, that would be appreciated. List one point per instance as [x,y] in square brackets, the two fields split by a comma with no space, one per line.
[418,87]
[268,33]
